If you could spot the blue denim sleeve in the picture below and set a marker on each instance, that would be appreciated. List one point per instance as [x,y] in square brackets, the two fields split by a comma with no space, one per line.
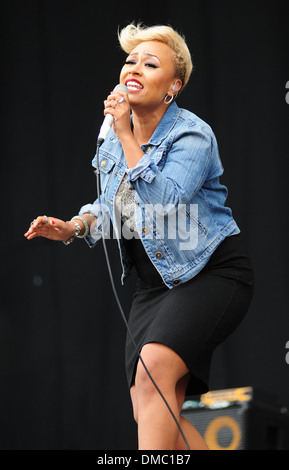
[144,169]
[186,167]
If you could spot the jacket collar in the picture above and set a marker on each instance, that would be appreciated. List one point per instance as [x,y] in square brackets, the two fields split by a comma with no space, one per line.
[165,125]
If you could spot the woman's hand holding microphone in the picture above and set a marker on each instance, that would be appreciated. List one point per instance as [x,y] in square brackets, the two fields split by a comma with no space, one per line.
[117,105]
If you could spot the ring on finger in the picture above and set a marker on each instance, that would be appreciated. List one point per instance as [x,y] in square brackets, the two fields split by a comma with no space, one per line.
[47,219]
[122,99]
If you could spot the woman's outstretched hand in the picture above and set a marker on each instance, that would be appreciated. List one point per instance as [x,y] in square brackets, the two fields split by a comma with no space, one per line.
[50,227]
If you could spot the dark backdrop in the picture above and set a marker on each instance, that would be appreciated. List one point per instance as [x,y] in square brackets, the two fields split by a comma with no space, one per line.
[62,339]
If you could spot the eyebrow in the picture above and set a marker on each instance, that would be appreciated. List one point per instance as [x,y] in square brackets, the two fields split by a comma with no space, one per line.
[146,53]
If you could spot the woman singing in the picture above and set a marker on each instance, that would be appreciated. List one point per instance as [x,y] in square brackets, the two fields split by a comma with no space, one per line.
[160,171]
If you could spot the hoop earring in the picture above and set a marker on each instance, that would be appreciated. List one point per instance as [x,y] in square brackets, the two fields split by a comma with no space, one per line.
[170,99]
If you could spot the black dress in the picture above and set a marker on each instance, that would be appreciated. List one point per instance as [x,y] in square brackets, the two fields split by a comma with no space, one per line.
[194,317]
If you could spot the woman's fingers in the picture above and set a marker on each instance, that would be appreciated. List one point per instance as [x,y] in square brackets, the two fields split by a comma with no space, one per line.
[35,227]
[41,226]
[50,227]
[115,99]
[40,221]
[117,105]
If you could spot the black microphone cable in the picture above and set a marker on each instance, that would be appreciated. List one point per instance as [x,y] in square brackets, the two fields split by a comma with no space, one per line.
[98,190]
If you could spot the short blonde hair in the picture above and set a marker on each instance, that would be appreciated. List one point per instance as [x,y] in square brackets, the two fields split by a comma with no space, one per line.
[132,35]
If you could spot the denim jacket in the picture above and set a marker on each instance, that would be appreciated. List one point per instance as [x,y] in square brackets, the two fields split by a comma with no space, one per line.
[180,211]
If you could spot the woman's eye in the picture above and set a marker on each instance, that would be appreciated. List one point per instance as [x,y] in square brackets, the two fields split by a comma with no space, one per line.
[149,64]
[154,66]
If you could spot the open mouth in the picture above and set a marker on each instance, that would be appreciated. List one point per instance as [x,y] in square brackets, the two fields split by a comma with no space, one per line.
[133,85]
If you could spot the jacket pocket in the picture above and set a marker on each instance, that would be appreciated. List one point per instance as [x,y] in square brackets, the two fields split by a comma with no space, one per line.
[106,165]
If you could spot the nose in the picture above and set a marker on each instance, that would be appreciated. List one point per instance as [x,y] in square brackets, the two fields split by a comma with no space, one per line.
[135,68]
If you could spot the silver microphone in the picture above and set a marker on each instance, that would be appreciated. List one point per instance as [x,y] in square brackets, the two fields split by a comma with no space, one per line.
[108,120]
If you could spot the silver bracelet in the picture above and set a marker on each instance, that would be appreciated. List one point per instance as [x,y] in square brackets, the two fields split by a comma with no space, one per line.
[76,233]
[78,217]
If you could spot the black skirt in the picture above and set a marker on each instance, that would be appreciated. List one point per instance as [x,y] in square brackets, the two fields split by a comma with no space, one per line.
[192,318]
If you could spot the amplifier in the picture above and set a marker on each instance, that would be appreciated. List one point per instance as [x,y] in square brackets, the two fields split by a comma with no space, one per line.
[238,419]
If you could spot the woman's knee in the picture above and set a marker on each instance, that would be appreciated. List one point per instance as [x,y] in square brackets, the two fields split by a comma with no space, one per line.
[181,388]
[133,396]
[165,367]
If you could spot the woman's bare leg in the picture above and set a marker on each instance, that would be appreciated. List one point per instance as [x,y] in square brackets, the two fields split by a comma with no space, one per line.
[156,427]
[192,435]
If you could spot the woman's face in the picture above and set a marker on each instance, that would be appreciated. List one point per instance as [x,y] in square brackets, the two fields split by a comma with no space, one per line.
[149,74]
